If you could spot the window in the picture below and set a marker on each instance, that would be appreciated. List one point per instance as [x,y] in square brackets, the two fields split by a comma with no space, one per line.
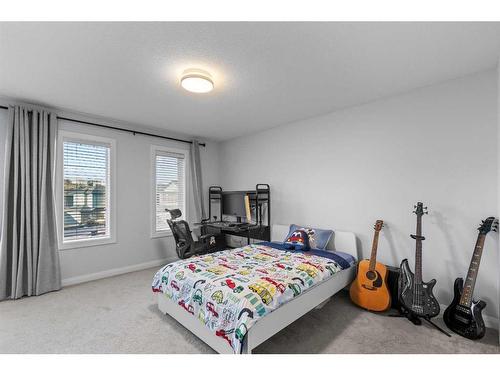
[169,183]
[86,190]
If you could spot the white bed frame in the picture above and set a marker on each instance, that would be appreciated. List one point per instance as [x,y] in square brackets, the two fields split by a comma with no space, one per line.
[280,318]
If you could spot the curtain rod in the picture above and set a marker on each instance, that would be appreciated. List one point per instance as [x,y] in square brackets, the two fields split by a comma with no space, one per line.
[134,132]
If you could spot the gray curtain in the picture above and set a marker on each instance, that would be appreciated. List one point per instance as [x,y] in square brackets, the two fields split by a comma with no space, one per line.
[197,181]
[29,259]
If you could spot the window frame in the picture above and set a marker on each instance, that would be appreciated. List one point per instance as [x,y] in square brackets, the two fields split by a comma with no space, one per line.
[70,136]
[155,150]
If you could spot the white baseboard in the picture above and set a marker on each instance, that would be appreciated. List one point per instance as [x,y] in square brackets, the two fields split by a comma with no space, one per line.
[489,321]
[115,272]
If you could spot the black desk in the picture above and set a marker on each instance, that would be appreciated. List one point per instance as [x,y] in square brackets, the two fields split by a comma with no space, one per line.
[250,231]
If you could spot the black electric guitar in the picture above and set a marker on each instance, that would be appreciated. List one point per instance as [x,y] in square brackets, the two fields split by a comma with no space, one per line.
[415,295]
[463,316]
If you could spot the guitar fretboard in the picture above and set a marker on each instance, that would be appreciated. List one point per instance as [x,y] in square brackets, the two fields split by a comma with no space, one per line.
[373,257]
[418,252]
[470,281]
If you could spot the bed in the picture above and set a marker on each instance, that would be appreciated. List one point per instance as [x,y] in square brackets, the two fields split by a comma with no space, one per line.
[203,309]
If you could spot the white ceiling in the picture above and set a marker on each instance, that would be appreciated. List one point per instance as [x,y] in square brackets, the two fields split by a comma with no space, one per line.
[265,74]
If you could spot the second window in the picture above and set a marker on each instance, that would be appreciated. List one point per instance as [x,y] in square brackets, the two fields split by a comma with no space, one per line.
[169,179]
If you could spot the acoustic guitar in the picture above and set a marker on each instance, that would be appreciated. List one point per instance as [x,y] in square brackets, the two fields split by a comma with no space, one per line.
[369,289]
[464,315]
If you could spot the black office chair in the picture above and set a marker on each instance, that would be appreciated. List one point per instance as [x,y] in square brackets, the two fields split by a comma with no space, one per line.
[184,243]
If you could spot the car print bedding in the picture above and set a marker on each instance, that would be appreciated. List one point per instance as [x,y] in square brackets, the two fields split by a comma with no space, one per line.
[228,291]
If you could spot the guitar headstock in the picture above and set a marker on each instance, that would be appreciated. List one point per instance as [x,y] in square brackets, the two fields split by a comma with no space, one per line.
[490,224]
[420,210]
[378,225]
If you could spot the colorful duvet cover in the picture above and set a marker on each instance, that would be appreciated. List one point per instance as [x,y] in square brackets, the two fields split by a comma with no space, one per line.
[230,290]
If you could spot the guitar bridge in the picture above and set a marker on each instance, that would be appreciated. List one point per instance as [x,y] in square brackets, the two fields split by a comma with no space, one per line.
[417,309]
[461,319]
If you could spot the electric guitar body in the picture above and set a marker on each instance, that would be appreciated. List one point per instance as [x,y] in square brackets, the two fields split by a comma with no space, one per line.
[417,298]
[464,314]
[464,320]
[369,289]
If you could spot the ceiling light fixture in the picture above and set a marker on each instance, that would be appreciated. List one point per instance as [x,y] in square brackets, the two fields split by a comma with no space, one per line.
[197,81]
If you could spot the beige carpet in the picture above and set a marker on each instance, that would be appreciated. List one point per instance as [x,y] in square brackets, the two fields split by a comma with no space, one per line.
[117,315]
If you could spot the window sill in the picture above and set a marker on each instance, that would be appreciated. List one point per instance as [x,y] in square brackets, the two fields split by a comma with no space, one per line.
[167,233]
[86,243]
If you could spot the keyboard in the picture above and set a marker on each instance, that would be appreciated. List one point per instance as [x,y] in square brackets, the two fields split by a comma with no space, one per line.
[227,224]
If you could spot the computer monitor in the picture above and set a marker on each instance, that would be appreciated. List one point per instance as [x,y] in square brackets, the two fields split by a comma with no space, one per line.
[233,204]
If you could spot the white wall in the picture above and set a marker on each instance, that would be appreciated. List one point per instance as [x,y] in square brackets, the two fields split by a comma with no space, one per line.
[134,248]
[349,168]
[498,177]
[3,121]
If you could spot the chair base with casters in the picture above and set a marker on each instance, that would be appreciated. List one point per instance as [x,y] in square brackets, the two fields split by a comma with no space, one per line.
[185,245]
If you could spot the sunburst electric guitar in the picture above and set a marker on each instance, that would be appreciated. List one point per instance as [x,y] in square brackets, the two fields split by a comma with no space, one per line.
[369,289]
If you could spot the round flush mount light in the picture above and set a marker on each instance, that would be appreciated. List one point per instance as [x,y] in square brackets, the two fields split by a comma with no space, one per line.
[197,81]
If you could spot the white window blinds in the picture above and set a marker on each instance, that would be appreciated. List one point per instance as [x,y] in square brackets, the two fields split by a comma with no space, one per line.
[169,186]
[86,190]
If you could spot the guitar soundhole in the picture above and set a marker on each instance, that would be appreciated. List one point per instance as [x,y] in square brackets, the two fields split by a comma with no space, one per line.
[371,275]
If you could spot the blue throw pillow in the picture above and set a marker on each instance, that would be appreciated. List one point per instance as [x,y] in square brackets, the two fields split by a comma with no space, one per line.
[318,238]
[297,240]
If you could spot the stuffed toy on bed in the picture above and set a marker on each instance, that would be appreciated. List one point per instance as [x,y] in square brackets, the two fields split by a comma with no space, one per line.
[297,240]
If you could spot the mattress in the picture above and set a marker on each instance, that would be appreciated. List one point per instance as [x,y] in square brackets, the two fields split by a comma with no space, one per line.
[229,291]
